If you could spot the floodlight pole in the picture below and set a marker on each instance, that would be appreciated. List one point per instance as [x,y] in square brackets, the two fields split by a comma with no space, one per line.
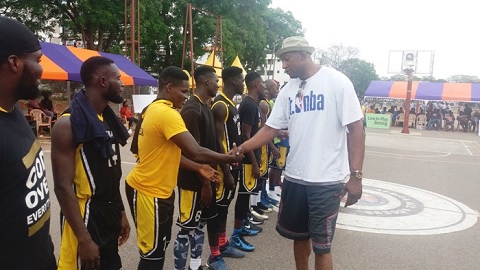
[409,72]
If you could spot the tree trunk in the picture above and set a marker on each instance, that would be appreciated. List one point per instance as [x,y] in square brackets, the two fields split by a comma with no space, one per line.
[100,40]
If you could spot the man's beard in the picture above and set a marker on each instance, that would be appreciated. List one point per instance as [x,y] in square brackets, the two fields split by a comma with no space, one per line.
[27,88]
[113,96]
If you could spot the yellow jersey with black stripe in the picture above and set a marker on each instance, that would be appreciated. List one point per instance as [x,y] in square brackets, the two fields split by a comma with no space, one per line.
[158,157]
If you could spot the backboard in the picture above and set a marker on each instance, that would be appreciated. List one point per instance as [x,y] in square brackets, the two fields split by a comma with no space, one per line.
[421,61]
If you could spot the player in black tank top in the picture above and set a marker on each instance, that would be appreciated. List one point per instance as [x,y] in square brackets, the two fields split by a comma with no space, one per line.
[86,155]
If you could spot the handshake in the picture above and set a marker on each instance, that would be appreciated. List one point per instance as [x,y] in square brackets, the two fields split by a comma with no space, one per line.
[236,153]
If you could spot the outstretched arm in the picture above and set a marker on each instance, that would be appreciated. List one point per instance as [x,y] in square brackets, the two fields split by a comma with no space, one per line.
[195,152]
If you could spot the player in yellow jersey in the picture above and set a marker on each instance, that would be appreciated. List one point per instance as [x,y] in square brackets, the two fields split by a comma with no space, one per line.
[164,145]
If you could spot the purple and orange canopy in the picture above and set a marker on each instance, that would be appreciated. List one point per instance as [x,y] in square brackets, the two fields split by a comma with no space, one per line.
[63,63]
[425,90]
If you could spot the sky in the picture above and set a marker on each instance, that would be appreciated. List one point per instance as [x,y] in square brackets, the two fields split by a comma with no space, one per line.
[378,27]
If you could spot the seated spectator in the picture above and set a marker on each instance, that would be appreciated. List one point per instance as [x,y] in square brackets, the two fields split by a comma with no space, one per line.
[371,109]
[435,120]
[392,110]
[463,120]
[125,112]
[35,104]
[475,118]
[46,105]
[449,121]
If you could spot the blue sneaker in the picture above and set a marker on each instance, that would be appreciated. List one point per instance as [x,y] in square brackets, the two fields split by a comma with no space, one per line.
[273,201]
[238,242]
[231,251]
[217,263]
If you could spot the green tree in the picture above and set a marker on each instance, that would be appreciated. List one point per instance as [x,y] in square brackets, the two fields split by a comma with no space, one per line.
[360,72]
[34,14]
[250,27]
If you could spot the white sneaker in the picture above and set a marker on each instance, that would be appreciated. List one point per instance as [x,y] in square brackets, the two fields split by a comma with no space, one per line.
[258,215]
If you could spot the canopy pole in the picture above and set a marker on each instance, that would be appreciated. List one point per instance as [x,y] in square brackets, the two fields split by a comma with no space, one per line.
[68,92]
[407,101]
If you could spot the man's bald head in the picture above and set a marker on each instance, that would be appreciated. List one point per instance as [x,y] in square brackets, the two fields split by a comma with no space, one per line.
[271,88]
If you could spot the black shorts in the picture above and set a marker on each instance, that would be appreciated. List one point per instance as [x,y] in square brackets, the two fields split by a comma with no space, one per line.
[224,197]
[248,184]
[190,211]
[279,162]
[309,212]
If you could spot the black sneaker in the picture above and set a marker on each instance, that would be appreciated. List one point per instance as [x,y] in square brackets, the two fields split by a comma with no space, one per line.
[264,208]
[248,225]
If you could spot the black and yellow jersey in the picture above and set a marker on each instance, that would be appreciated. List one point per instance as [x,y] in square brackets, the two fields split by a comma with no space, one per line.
[231,122]
[198,118]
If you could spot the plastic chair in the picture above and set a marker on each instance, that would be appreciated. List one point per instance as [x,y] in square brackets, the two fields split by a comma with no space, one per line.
[411,120]
[399,119]
[59,108]
[421,121]
[42,120]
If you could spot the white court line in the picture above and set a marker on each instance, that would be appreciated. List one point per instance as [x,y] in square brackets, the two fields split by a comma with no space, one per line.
[477,143]
[418,156]
[399,148]
[431,160]
[129,163]
[466,147]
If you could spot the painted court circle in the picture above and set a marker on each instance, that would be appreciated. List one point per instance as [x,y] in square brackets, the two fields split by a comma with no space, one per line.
[390,208]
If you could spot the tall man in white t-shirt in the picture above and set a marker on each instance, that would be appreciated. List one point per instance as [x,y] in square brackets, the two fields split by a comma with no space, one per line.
[320,108]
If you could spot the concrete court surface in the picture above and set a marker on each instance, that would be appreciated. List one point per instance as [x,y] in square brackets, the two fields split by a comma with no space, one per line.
[419,209]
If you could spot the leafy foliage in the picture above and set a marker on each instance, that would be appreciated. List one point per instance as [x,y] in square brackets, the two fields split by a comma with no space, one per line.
[250,27]
[360,72]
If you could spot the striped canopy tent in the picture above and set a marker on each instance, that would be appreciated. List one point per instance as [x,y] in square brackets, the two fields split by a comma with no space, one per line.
[63,63]
[469,92]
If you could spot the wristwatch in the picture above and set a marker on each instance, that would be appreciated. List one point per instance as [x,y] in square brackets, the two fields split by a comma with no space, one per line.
[357,174]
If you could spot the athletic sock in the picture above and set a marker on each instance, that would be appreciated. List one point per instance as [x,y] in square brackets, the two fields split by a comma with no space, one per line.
[195,263]
[253,200]
[215,251]
[222,239]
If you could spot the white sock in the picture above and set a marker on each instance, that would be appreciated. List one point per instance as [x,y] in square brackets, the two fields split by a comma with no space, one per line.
[253,200]
[259,197]
[195,263]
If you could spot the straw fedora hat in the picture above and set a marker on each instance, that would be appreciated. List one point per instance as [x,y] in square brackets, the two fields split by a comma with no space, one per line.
[294,44]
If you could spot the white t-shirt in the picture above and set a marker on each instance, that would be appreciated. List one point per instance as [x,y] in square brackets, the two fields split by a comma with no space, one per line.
[317,126]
